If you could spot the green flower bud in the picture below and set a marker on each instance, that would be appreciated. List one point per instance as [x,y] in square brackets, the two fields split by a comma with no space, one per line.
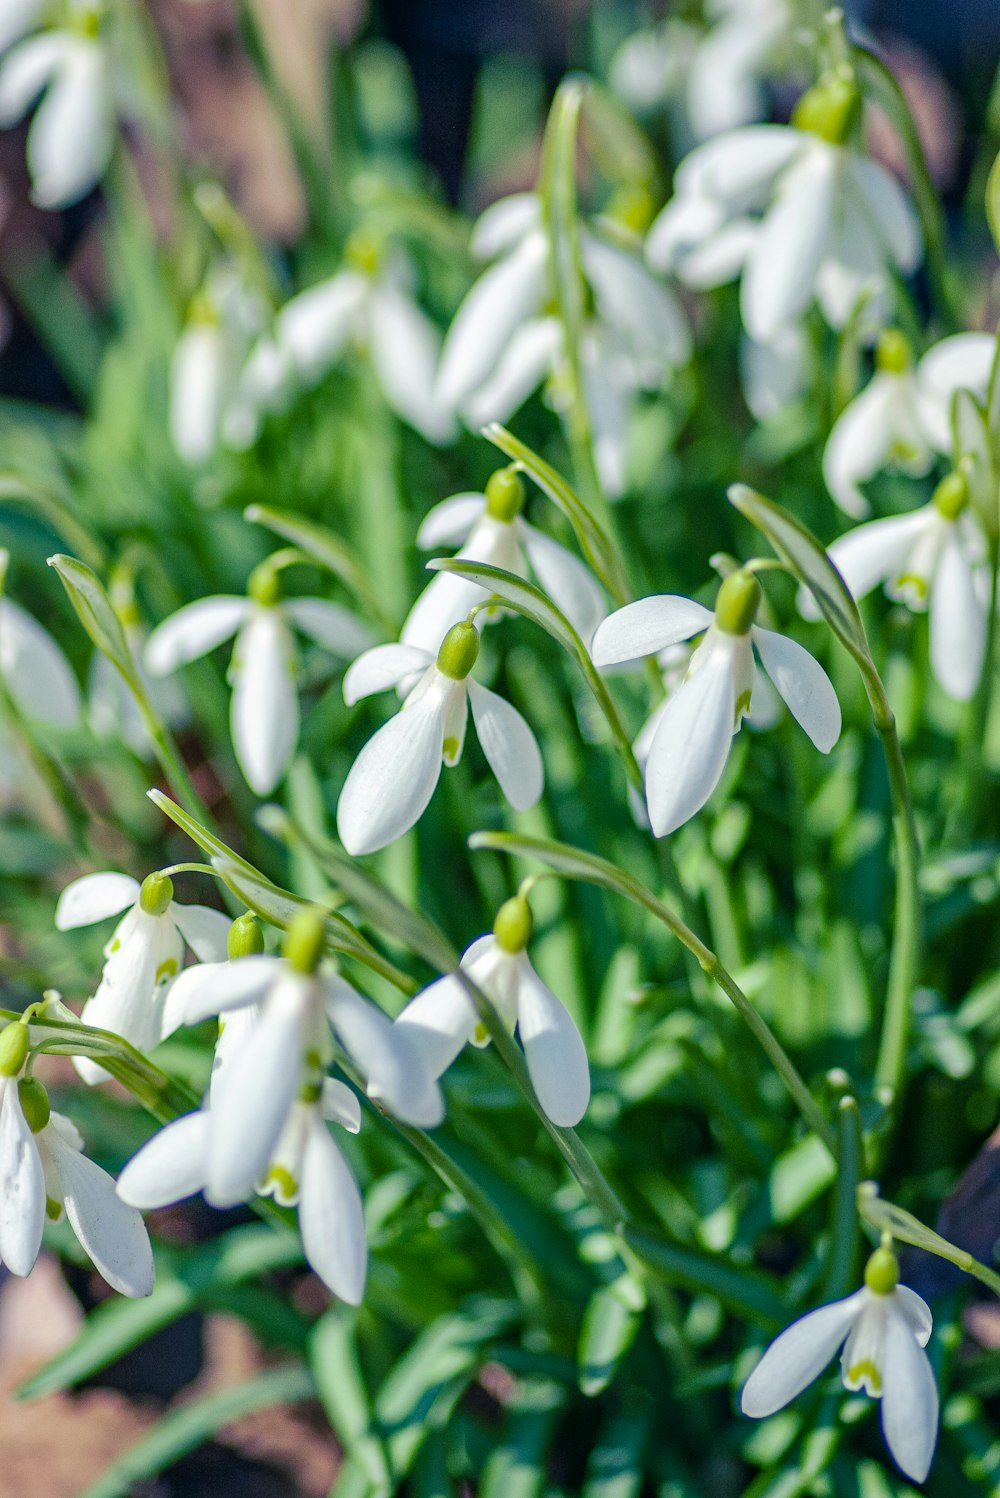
[512,927]
[245,939]
[830,109]
[882,1272]
[13,1048]
[34,1104]
[952,495]
[459,651]
[737,602]
[893,352]
[156,893]
[263,586]
[504,494]
[304,939]
[363,252]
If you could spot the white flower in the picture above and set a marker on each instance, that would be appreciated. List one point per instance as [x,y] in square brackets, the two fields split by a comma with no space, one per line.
[143,956]
[885,1326]
[395,775]
[490,528]
[73,133]
[932,560]
[903,414]
[799,214]
[775,374]
[691,743]
[503,343]
[34,670]
[441,1019]
[207,400]
[43,1173]
[264,710]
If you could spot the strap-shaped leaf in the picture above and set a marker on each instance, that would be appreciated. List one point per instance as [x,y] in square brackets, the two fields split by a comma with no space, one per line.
[328,550]
[610,1323]
[93,607]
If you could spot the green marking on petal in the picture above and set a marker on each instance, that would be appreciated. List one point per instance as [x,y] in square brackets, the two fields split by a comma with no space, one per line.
[281,1178]
[864,1374]
[53,1209]
[742,706]
[166,969]
[913,580]
[450,749]
[310,1092]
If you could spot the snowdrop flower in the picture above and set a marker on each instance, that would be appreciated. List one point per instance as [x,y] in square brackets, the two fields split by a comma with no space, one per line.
[207,401]
[264,710]
[691,743]
[931,560]
[34,670]
[490,528]
[442,1018]
[395,775]
[884,1328]
[143,956]
[774,374]
[796,211]
[43,1173]
[903,414]
[503,343]
[73,133]
[281,1054]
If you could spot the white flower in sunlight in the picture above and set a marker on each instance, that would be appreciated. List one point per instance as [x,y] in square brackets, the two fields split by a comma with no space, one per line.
[143,956]
[264,709]
[490,528]
[34,670]
[207,403]
[73,132]
[903,415]
[43,1173]
[884,1328]
[773,375]
[306,1169]
[932,560]
[691,743]
[503,343]
[442,1019]
[795,211]
[395,775]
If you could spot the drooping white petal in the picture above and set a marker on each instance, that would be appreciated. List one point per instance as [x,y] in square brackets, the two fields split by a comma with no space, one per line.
[500,226]
[382,667]
[264,710]
[393,1066]
[205,930]
[17,17]
[961,362]
[509,745]
[631,300]
[315,326]
[566,579]
[530,355]
[331,1216]
[112,1232]
[340,1105]
[720,257]
[221,987]
[193,631]
[93,898]
[171,1167]
[26,70]
[859,444]
[688,221]
[394,777]
[200,377]
[498,303]
[689,751]
[957,622]
[72,135]
[647,626]
[449,522]
[439,1020]
[774,374]
[807,690]
[909,1399]
[739,167]
[608,392]
[445,601]
[35,671]
[780,273]
[553,1048]
[405,345]
[331,626]
[22,1186]
[723,87]
[798,1356]
[871,553]
[852,281]
[890,209]
[917,1312]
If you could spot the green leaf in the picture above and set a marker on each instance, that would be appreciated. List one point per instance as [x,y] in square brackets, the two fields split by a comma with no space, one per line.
[517,1464]
[610,1323]
[615,1466]
[188,1426]
[93,607]
[14,490]
[328,550]
[340,1384]
[748,1292]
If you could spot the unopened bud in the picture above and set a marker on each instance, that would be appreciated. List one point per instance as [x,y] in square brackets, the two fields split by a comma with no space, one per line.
[512,927]
[737,602]
[13,1048]
[245,938]
[459,651]
[156,893]
[504,494]
[34,1104]
[882,1272]
[304,940]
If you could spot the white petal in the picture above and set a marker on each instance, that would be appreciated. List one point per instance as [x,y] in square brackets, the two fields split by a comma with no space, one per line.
[449,522]
[200,376]
[404,347]
[917,1313]
[26,70]
[891,210]
[740,166]
[961,362]
[333,627]
[798,1356]
[340,1105]
[804,685]
[206,931]
[909,1399]
[393,778]
[780,273]
[689,751]
[859,444]
[520,368]
[720,257]
[608,395]
[957,623]
[871,553]
[439,1021]
[445,601]
[568,582]
[22,1186]
[383,667]
[331,1216]
[315,326]
[264,711]
[505,222]
[509,746]
[37,674]
[776,373]
[171,1167]
[72,135]
[113,1233]
[629,299]
[93,898]
[17,17]
[504,297]
[688,221]
[648,626]
[553,1048]
[193,631]
[220,987]
[392,1064]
